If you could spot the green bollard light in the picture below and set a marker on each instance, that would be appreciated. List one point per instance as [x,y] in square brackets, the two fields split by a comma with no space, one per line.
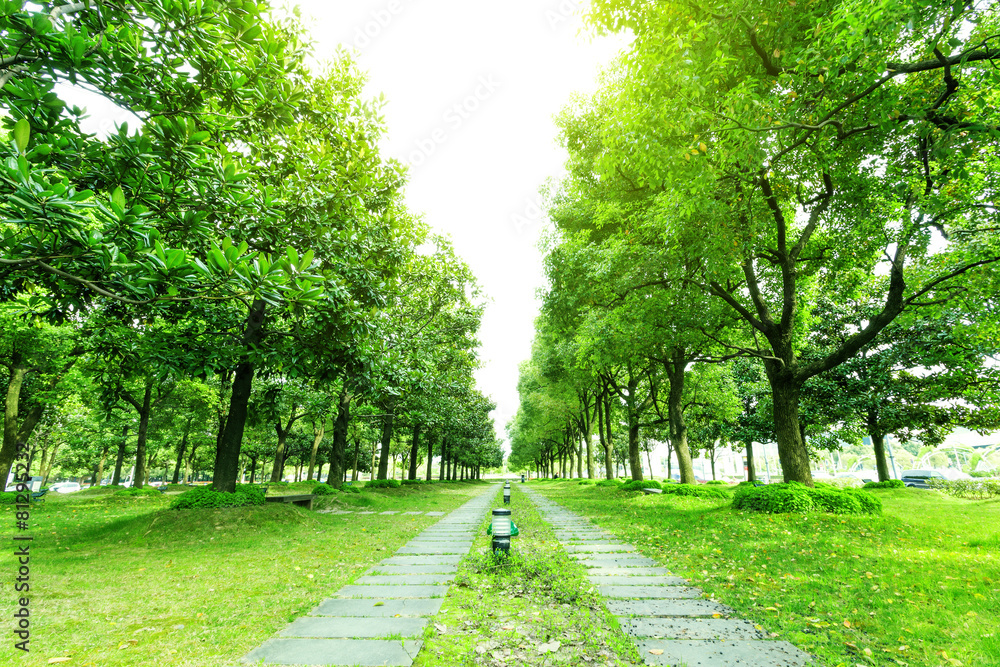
[501,531]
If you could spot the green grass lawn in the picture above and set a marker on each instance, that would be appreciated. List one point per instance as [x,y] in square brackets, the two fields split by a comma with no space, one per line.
[118,581]
[919,585]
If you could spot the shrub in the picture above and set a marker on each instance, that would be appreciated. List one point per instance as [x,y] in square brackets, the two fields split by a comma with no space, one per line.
[9,497]
[586,481]
[985,473]
[609,482]
[350,489]
[132,493]
[971,489]
[639,485]
[715,481]
[206,496]
[773,499]
[323,490]
[694,491]
[888,484]
[413,481]
[796,497]
[383,484]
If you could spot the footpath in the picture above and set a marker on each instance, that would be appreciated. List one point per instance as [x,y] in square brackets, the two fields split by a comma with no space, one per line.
[669,620]
[378,619]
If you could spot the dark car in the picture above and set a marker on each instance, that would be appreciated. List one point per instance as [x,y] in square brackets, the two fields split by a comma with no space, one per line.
[918,478]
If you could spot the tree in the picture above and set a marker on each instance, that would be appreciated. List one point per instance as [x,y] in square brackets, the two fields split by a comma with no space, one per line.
[816,146]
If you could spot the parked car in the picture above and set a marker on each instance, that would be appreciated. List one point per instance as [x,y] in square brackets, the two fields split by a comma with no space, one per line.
[64,487]
[918,478]
[864,476]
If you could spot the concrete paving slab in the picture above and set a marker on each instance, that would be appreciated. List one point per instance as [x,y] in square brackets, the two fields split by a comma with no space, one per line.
[381,608]
[389,512]
[392,592]
[365,652]
[411,513]
[650,592]
[636,581]
[708,653]
[354,626]
[436,548]
[403,579]
[627,571]
[411,569]
[435,514]
[599,548]
[691,628]
[692,608]
[625,560]
[440,559]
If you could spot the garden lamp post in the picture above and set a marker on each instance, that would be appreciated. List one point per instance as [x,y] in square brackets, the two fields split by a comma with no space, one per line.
[501,531]
[506,494]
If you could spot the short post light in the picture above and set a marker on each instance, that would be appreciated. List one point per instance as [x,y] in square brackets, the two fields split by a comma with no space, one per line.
[506,494]
[522,478]
[501,531]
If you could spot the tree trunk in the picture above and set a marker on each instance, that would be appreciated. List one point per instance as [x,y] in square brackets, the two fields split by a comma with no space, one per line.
[383,460]
[357,452]
[444,454]
[430,454]
[675,414]
[579,460]
[604,423]
[335,476]
[181,449]
[17,372]
[414,451]
[121,457]
[227,457]
[791,450]
[649,460]
[878,443]
[99,472]
[751,468]
[317,439]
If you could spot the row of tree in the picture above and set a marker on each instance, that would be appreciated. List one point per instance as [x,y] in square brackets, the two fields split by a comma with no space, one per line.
[241,262]
[779,225]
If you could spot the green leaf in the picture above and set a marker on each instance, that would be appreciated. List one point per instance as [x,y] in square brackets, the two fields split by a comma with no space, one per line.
[22,130]
[118,198]
[198,137]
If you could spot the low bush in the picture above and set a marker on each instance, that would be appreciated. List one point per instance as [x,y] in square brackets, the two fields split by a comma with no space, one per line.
[796,497]
[609,482]
[383,484]
[323,490]
[888,484]
[640,484]
[350,489]
[694,491]
[985,473]
[9,497]
[715,481]
[970,489]
[413,481]
[587,481]
[206,496]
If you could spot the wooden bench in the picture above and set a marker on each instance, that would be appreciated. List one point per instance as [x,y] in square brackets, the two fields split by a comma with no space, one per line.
[305,500]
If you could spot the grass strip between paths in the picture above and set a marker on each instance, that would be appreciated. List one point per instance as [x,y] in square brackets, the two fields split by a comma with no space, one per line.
[533,608]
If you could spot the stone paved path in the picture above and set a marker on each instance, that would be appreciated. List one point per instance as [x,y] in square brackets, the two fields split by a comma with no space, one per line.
[378,619]
[667,618]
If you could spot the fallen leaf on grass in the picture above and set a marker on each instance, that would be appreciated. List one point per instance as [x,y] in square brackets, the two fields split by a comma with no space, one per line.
[441,628]
[550,647]
[656,651]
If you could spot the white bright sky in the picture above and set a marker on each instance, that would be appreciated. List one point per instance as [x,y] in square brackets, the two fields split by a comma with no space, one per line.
[472,89]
